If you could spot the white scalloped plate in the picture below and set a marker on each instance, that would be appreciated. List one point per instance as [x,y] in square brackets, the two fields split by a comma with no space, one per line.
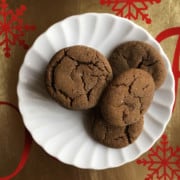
[61,132]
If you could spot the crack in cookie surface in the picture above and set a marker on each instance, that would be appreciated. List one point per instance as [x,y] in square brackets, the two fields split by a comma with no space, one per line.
[138,54]
[127,98]
[114,136]
[86,77]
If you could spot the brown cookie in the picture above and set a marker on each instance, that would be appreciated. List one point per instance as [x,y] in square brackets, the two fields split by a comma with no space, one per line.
[76,77]
[127,97]
[114,136]
[137,54]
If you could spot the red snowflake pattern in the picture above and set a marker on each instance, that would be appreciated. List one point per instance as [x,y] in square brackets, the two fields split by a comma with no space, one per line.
[131,9]
[163,162]
[12,27]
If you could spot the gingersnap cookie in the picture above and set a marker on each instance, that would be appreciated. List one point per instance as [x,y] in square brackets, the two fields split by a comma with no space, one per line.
[76,77]
[127,97]
[137,54]
[114,136]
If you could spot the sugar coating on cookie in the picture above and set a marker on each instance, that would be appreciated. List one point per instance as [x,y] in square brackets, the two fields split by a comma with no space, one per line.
[76,77]
[113,136]
[138,54]
[127,97]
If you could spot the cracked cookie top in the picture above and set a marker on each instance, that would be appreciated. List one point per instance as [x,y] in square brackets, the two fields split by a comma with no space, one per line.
[137,54]
[76,77]
[114,136]
[127,97]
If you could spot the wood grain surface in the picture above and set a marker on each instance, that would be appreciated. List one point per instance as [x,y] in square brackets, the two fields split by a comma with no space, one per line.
[40,166]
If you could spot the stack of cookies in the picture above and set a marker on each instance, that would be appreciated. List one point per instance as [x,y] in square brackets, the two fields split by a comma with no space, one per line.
[138,70]
[120,90]
[122,107]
